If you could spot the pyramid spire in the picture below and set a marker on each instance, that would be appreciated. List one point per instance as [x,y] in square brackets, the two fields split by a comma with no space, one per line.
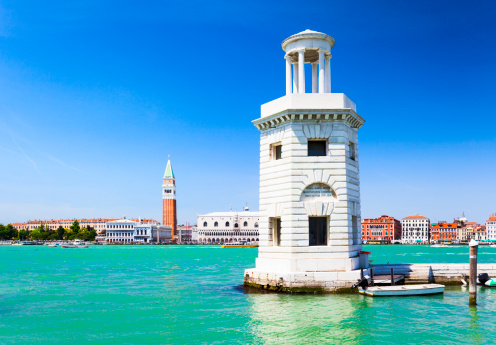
[168,170]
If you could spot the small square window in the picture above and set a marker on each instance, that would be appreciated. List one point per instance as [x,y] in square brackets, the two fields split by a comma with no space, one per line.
[317,148]
[276,151]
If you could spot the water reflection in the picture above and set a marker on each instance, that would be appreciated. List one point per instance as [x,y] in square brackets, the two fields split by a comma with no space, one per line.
[278,318]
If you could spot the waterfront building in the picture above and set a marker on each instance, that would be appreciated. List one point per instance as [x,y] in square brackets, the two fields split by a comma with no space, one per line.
[466,231]
[169,212]
[309,177]
[132,231]
[384,229]
[184,233]
[228,227]
[415,229]
[444,232]
[480,233]
[99,224]
[491,228]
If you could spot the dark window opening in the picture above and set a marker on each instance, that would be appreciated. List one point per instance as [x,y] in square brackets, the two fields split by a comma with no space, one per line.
[352,151]
[317,148]
[276,231]
[317,231]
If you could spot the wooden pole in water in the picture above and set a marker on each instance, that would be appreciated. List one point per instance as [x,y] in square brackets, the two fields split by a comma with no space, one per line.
[472,297]
[392,276]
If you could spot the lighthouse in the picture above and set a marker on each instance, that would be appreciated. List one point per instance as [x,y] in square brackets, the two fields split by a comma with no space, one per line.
[310,236]
[169,213]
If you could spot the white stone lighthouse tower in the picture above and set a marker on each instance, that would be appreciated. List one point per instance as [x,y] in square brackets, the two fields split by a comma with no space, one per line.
[310,236]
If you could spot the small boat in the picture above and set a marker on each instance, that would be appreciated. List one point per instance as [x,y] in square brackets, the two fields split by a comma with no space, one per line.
[491,283]
[402,290]
[52,245]
[76,244]
[241,244]
[439,245]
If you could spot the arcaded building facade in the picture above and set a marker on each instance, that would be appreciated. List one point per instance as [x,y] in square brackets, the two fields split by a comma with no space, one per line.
[228,227]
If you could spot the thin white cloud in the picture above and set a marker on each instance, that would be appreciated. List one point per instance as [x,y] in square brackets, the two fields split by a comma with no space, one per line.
[61,162]
[24,153]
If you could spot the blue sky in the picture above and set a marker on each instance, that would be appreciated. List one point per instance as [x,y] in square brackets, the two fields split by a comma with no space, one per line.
[95,94]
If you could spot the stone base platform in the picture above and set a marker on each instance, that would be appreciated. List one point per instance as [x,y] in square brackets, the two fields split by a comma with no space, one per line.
[302,282]
[341,282]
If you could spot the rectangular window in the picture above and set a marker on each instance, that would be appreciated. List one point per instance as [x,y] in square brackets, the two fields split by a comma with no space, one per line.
[352,150]
[356,232]
[317,148]
[275,151]
[317,231]
[276,231]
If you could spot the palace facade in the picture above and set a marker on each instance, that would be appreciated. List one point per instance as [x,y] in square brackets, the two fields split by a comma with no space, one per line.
[227,227]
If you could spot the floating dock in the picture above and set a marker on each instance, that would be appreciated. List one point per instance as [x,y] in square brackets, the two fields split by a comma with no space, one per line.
[433,273]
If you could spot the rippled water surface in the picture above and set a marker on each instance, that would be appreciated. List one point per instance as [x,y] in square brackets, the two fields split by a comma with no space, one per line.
[191,294]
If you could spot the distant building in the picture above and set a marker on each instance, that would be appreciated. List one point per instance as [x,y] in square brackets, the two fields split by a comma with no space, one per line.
[224,227]
[491,228]
[99,224]
[480,233]
[383,229]
[444,232]
[466,231]
[184,233]
[132,231]
[415,229]
[169,211]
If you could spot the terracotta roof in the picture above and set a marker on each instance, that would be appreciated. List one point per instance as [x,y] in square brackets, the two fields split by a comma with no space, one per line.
[417,216]
[491,219]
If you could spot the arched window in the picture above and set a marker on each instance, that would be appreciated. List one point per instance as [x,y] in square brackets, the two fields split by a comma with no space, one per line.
[236,225]
[245,224]
[256,225]
[204,224]
[216,224]
[227,223]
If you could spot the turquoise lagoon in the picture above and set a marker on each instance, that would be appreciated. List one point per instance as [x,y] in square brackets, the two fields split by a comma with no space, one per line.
[192,295]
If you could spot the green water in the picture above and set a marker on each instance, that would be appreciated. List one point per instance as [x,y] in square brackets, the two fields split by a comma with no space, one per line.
[191,295]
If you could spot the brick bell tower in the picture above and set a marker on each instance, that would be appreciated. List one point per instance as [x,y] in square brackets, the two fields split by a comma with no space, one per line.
[169,213]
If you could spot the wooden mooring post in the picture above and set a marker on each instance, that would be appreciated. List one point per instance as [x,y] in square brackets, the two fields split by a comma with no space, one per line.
[472,297]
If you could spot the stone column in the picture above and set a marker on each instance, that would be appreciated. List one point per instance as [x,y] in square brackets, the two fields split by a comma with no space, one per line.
[288,74]
[321,71]
[328,73]
[295,77]
[314,77]
[301,71]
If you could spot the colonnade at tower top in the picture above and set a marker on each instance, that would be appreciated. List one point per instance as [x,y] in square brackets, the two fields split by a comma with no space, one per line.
[308,47]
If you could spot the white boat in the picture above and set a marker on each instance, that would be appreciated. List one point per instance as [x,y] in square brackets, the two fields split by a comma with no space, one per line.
[491,283]
[439,245]
[403,290]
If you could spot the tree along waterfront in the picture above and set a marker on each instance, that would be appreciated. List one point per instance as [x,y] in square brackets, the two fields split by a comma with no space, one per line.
[41,233]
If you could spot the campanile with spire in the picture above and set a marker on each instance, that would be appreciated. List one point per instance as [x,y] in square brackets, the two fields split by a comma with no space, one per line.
[169,213]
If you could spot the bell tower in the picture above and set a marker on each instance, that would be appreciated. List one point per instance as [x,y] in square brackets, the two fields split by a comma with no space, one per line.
[169,213]
[310,236]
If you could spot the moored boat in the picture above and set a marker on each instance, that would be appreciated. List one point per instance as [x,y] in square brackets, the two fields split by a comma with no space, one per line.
[241,244]
[402,290]
[76,244]
[491,283]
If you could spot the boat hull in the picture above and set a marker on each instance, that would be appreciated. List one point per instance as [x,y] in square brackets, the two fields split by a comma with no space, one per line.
[240,246]
[403,290]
